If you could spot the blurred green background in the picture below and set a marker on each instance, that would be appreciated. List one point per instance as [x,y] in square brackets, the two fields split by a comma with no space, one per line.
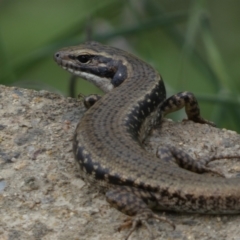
[195,45]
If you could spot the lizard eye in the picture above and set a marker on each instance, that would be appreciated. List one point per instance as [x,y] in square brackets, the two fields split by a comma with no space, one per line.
[84,58]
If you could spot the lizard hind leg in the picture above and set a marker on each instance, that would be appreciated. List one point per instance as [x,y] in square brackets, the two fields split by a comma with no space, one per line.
[128,200]
[172,154]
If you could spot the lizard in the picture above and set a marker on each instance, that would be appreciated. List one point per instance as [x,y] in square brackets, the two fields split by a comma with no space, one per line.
[108,141]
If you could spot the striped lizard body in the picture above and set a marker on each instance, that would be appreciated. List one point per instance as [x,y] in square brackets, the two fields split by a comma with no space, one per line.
[108,140]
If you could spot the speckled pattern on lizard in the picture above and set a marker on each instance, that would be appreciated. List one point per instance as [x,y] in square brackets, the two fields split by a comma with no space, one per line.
[108,140]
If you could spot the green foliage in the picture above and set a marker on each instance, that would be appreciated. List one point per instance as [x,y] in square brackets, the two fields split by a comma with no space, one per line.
[193,44]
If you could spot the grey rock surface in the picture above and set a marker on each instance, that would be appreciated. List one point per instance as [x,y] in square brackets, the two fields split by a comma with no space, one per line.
[42,195]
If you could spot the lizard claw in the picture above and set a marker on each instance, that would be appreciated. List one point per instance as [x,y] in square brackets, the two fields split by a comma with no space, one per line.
[141,219]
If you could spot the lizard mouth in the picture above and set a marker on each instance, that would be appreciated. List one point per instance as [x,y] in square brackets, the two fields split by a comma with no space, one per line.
[69,64]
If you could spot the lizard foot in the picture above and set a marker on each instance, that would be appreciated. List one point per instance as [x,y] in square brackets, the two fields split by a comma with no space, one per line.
[141,219]
[175,155]
[129,200]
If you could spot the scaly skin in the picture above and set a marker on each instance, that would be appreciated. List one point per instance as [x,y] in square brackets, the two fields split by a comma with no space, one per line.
[107,141]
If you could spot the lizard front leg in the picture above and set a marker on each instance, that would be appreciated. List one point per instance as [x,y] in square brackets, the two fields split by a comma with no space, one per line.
[176,155]
[89,100]
[187,100]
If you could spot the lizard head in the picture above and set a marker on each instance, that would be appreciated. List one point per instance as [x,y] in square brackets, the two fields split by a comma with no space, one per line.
[104,66]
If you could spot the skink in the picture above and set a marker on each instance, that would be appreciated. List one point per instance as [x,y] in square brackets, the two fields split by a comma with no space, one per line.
[108,140]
